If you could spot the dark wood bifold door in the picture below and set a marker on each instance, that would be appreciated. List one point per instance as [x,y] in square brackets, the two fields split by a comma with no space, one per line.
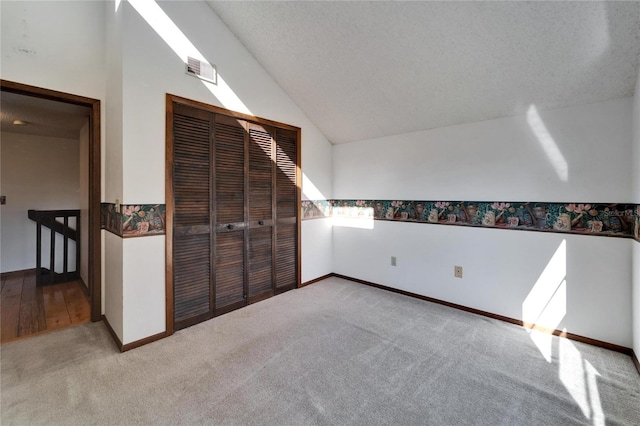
[192,160]
[229,214]
[286,242]
[235,197]
[260,202]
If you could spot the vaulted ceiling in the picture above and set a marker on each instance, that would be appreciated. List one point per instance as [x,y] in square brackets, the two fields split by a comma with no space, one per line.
[364,70]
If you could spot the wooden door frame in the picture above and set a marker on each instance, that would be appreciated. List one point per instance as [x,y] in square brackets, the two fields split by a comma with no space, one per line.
[170,206]
[95,267]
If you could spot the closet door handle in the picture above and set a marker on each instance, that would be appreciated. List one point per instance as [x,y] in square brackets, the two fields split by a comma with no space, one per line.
[230,226]
[261,222]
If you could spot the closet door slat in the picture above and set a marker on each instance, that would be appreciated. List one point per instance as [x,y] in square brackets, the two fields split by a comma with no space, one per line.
[229,271]
[229,134]
[286,244]
[260,212]
[192,238]
[230,215]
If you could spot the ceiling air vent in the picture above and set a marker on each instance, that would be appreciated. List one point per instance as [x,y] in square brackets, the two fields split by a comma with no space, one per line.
[202,70]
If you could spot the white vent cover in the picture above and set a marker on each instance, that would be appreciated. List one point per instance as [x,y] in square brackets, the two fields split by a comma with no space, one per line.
[202,70]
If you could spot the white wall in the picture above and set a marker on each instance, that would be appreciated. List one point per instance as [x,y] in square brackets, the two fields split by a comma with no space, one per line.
[112,286]
[497,160]
[501,159]
[39,173]
[150,70]
[636,199]
[113,107]
[144,287]
[113,272]
[315,246]
[500,269]
[65,53]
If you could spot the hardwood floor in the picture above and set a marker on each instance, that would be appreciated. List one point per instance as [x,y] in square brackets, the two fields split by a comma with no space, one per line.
[28,310]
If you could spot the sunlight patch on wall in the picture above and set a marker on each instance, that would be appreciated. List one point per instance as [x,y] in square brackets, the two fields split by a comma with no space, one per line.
[310,191]
[353,217]
[182,46]
[548,144]
[546,303]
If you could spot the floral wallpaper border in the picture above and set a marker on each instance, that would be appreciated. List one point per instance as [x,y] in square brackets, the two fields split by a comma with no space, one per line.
[604,219]
[133,220]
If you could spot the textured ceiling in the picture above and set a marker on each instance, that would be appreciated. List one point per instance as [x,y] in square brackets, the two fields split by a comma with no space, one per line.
[363,70]
[45,117]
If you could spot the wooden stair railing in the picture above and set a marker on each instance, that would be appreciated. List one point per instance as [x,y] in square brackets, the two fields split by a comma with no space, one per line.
[49,219]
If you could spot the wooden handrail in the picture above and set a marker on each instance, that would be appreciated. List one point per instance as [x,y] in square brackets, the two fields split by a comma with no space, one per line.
[49,218]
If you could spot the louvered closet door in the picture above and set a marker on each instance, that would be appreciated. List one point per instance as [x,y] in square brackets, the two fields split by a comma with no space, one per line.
[191,223]
[230,216]
[235,211]
[286,249]
[260,210]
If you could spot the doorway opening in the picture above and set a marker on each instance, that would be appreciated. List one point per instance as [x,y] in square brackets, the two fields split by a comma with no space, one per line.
[50,235]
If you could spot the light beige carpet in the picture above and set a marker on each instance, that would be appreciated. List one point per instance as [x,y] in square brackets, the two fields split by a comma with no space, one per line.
[334,352]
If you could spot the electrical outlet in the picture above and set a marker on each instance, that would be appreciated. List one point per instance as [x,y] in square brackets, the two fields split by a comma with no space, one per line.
[457,271]
[393,261]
